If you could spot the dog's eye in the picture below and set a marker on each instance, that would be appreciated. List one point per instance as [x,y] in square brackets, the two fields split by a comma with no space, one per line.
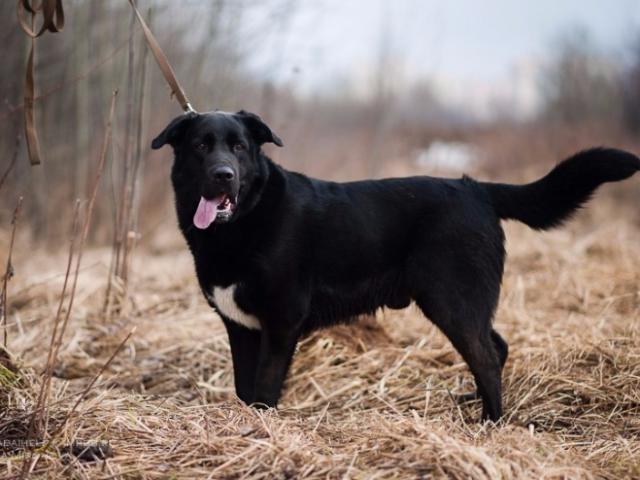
[239,147]
[202,147]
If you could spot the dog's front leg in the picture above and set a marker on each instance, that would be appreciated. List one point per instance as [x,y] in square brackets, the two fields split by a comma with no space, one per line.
[276,351]
[245,349]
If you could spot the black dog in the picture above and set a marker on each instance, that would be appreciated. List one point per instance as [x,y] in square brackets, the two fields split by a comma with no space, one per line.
[279,254]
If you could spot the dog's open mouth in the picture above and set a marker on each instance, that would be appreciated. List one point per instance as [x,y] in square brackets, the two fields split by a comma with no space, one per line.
[209,210]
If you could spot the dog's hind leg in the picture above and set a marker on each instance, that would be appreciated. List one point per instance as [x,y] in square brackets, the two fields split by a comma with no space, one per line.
[501,347]
[245,348]
[472,338]
[458,291]
[479,353]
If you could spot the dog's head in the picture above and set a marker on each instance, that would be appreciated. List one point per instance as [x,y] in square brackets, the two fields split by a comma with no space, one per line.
[218,157]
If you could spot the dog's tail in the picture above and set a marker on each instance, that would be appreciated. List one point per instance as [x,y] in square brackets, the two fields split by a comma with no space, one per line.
[554,198]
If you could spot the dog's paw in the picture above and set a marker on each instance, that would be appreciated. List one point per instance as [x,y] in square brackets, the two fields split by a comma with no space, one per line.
[467,397]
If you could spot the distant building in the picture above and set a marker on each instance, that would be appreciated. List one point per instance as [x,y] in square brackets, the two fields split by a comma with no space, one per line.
[448,156]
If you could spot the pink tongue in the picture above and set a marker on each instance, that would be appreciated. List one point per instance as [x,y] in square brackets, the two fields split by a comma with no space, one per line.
[207,211]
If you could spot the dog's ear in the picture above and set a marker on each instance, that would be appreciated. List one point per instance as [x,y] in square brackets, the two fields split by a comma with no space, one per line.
[172,134]
[259,130]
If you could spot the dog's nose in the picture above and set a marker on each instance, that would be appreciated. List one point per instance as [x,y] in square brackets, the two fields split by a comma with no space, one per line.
[223,174]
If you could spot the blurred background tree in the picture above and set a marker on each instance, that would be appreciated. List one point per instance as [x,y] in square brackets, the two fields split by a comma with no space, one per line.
[581,84]
[395,111]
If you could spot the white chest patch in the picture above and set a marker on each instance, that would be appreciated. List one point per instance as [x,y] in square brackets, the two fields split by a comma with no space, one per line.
[223,298]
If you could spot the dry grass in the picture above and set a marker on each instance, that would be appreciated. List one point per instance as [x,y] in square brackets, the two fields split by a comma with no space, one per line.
[371,402]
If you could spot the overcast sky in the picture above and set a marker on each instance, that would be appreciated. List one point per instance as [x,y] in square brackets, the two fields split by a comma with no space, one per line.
[464,41]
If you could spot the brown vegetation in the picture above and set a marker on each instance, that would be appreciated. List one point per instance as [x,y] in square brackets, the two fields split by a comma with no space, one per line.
[362,402]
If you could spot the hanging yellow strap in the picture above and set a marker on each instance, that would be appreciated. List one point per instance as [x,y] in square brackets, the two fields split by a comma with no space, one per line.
[52,21]
[163,63]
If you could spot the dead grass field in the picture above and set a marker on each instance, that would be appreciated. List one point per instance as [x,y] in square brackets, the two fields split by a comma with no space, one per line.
[361,403]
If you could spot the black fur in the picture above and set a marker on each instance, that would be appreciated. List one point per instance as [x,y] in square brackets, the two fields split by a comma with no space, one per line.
[551,200]
[306,253]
